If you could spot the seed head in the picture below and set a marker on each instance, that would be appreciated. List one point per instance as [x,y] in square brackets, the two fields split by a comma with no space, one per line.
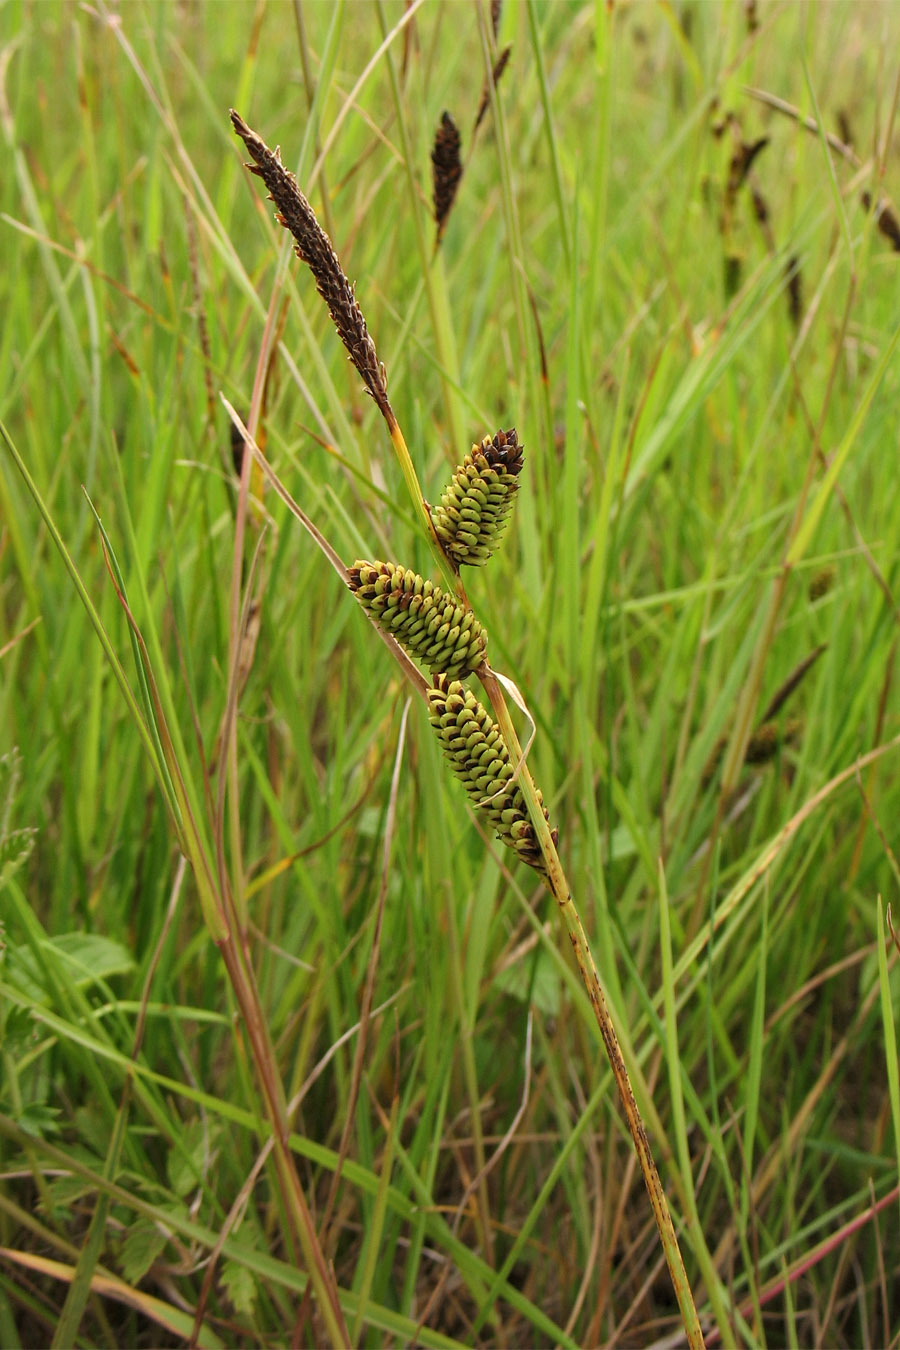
[794,289]
[499,67]
[496,10]
[885,219]
[769,737]
[821,583]
[430,625]
[446,170]
[313,247]
[474,508]
[476,751]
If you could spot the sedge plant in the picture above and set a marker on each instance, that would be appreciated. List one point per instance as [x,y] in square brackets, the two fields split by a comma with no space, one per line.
[438,628]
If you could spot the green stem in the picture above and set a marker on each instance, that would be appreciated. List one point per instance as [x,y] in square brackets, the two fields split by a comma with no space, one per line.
[556,880]
[448,571]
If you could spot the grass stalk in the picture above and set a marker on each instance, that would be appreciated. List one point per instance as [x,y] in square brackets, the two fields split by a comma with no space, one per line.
[679,292]
[887,1020]
[314,248]
[714,1290]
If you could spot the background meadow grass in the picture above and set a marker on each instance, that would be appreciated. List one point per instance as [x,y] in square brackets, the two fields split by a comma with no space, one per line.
[596,289]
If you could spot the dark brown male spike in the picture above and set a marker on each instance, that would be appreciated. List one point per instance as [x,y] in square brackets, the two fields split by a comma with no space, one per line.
[313,247]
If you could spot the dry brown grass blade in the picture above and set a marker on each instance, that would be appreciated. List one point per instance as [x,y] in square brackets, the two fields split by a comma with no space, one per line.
[158,1313]
[808,123]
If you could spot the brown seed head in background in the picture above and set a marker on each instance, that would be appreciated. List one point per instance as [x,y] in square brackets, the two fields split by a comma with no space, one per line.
[887,222]
[821,583]
[499,67]
[313,247]
[794,289]
[446,170]
[496,11]
[769,738]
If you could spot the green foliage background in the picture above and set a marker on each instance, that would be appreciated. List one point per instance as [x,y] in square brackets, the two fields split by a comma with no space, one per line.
[598,289]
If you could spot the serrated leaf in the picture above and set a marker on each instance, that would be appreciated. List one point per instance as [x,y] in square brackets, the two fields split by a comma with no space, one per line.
[93,1132]
[15,850]
[143,1244]
[64,1192]
[39,1120]
[191,1158]
[240,1286]
[18,1027]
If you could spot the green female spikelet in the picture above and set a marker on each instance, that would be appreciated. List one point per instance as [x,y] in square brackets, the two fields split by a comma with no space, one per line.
[432,627]
[477,754]
[475,507]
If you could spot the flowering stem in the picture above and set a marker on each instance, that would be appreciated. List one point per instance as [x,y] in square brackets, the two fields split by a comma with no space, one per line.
[558,885]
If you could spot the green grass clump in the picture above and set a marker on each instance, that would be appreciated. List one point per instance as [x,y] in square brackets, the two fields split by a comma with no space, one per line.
[236,883]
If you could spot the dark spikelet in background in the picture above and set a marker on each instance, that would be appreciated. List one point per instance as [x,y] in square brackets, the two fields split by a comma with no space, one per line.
[237,446]
[496,11]
[889,226]
[885,219]
[787,687]
[821,583]
[446,170]
[794,289]
[762,747]
[313,247]
[431,626]
[475,506]
[845,131]
[734,266]
[476,752]
[499,67]
[768,739]
[760,205]
[742,162]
